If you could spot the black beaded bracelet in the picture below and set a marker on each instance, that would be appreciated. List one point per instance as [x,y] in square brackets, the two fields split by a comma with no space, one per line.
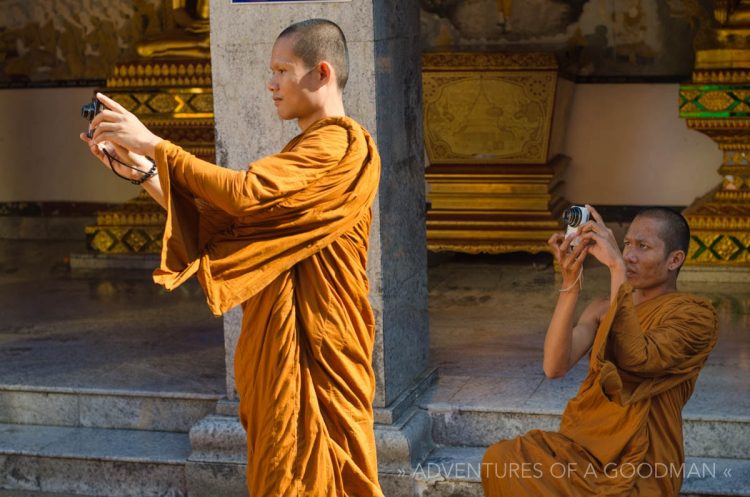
[147,175]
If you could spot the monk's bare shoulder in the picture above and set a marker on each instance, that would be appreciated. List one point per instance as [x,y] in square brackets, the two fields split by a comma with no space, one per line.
[598,308]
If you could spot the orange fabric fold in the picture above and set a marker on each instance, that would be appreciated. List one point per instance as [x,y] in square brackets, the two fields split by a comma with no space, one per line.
[627,414]
[287,239]
[284,208]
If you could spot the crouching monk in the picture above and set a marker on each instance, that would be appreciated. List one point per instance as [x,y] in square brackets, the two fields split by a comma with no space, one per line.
[621,435]
[287,240]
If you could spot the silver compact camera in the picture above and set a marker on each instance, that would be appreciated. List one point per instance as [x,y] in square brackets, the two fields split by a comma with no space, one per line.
[574,216]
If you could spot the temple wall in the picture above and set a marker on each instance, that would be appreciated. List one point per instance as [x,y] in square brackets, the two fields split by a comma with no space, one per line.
[627,143]
[52,54]
[629,147]
[42,158]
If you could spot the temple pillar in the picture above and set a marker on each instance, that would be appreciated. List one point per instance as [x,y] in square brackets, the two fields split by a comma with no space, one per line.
[717,103]
[384,94]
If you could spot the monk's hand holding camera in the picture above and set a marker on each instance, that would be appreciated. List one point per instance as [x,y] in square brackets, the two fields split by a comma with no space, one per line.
[600,240]
[117,125]
[105,139]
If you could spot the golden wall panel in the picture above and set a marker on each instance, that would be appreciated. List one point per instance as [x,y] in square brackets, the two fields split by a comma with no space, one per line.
[486,109]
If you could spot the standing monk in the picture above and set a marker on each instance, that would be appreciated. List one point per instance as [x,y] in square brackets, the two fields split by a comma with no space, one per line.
[287,240]
[621,435]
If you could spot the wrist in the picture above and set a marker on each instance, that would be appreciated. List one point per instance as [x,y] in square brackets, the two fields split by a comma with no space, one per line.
[149,148]
[571,290]
[572,286]
[617,268]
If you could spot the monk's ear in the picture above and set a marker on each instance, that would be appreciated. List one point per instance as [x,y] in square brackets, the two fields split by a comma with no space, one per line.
[325,72]
[675,260]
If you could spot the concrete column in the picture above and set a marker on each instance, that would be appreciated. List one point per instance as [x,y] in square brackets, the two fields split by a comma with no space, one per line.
[384,94]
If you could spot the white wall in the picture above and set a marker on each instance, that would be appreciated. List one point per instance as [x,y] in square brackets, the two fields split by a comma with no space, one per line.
[627,143]
[629,147]
[41,156]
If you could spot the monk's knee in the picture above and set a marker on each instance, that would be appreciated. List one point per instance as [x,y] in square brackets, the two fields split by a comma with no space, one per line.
[497,456]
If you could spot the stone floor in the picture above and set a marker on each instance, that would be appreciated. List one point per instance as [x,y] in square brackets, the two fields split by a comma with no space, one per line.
[101,331]
[488,315]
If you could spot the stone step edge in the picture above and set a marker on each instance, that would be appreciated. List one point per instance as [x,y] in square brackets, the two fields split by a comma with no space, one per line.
[114,436]
[715,438]
[34,493]
[104,392]
[446,408]
[79,457]
[465,464]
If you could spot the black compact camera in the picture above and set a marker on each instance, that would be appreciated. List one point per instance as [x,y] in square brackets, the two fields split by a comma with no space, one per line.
[89,110]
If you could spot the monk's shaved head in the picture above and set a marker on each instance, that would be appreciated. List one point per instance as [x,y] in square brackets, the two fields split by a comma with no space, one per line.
[675,232]
[317,40]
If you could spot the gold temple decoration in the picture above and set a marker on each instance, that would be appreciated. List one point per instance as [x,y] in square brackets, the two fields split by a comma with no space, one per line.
[492,134]
[186,35]
[717,103]
[172,96]
[504,8]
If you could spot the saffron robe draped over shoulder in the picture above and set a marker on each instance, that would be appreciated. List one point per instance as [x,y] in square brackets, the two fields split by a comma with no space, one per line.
[287,239]
[621,435]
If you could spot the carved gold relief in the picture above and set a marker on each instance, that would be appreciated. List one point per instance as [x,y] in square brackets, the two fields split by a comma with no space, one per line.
[720,248]
[480,109]
[484,61]
[488,118]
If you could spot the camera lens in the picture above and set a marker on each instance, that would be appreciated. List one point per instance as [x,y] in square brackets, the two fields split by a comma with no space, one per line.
[88,111]
[572,216]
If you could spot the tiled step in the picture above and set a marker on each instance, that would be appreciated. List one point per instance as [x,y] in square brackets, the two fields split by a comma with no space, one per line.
[455,471]
[92,461]
[707,436]
[95,408]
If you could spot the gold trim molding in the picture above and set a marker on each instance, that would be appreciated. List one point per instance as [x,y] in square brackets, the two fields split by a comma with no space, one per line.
[487,61]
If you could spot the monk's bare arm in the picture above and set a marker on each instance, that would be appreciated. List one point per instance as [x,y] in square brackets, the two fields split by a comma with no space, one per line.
[565,343]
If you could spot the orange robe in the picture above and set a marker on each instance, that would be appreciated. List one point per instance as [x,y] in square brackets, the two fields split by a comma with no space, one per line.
[621,435]
[287,239]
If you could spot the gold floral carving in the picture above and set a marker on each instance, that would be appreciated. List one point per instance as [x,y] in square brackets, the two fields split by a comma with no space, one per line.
[716,100]
[122,240]
[172,103]
[721,77]
[160,74]
[462,61]
[498,247]
[720,248]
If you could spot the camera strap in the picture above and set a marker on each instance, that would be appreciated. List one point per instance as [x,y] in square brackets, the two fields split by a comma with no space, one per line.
[146,175]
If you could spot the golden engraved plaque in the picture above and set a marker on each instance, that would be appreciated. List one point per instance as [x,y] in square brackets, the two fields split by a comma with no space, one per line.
[477,118]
